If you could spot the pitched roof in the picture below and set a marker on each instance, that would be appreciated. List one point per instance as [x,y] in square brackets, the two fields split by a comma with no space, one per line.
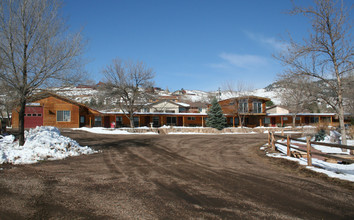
[170,101]
[45,94]
[247,97]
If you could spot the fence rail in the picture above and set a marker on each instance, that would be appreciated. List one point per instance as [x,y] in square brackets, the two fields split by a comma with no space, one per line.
[272,141]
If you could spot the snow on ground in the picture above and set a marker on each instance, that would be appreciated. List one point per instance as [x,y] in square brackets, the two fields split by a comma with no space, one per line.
[101,130]
[340,171]
[211,133]
[42,143]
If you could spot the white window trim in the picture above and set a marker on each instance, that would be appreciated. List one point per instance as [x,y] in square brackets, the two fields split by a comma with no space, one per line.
[63,115]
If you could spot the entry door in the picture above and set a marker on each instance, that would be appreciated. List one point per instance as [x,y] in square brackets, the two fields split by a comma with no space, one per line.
[107,123]
[82,120]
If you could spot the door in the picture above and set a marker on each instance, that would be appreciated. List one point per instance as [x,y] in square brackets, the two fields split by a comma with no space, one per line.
[107,123]
[33,116]
[82,120]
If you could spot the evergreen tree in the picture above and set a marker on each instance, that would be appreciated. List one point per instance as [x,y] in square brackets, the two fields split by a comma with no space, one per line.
[216,118]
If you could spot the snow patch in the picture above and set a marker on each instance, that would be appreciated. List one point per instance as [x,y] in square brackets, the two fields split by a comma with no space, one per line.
[101,130]
[340,171]
[41,143]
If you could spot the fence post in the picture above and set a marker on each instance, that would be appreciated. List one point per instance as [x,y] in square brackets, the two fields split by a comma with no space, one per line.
[273,141]
[309,159]
[288,145]
[268,138]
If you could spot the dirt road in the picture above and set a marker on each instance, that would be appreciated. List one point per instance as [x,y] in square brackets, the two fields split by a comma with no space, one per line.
[171,177]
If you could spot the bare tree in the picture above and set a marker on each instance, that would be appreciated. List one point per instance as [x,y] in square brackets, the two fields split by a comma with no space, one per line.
[35,48]
[131,83]
[7,97]
[326,56]
[295,93]
[349,95]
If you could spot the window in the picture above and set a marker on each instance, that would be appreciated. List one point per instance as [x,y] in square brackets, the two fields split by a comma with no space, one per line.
[191,118]
[243,108]
[39,115]
[136,121]
[171,120]
[267,120]
[170,111]
[326,119]
[257,107]
[182,109]
[82,119]
[156,121]
[98,121]
[314,119]
[63,116]
[231,121]
[119,121]
[237,121]
[29,114]
[285,118]
[297,118]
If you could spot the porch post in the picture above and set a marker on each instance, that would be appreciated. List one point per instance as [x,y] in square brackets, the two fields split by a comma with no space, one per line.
[233,121]
[332,121]
[282,121]
[183,120]
[202,121]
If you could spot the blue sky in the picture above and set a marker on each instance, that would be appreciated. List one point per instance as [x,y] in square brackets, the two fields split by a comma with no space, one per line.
[192,44]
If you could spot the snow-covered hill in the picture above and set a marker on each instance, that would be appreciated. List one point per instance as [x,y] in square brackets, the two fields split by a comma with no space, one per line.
[81,95]
[85,95]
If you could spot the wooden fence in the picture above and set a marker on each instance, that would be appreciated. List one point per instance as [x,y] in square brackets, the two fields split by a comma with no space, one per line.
[272,141]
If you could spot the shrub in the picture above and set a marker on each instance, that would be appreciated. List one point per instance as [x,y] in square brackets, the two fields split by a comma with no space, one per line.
[320,136]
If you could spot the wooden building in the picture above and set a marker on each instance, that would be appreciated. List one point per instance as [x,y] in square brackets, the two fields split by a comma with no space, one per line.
[155,119]
[282,120]
[279,116]
[49,109]
[251,110]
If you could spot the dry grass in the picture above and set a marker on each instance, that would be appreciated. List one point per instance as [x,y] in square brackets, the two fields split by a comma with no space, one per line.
[351,131]
[322,126]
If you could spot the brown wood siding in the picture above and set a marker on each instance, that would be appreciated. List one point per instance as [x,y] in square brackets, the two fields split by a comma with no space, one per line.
[50,107]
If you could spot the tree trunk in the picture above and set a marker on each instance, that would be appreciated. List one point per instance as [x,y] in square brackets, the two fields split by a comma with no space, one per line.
[21,118]
[240,123]
[294,120]
[8,118]
[131,120]
[341,124]
[341,109]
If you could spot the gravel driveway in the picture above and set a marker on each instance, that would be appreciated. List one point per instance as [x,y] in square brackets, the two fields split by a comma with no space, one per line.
[171,177]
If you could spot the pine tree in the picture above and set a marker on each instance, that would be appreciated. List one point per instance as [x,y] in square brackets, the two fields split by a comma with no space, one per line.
[216,118]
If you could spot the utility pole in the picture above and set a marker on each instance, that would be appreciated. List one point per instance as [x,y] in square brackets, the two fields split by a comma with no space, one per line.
[219,94]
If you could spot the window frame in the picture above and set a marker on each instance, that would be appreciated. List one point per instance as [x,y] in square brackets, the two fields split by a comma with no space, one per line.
[243,106]
[65,117]
[257,107]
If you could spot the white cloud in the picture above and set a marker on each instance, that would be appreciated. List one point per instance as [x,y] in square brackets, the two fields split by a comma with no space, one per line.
[269,41]
[243,60]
